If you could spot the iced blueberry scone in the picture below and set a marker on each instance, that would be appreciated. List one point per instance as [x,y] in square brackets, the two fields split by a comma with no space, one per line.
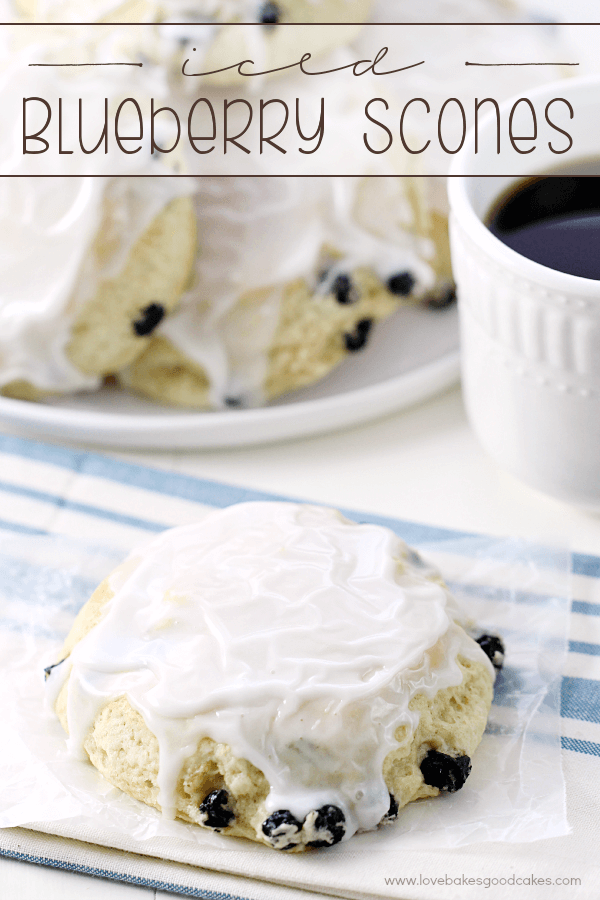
[89,269]
[200,292]
[276,672]
[291,276]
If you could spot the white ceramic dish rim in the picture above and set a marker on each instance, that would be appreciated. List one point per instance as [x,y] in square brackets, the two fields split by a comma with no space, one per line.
[462,207]
[198,430]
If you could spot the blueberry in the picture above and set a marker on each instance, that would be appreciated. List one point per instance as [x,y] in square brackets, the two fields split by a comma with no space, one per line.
[442,298]
[234,402]
[392,812]
[48,669]
[152,316]
[448,773]
[270,13]
[329,824]
[357,339]
[493,648]
[214,811]
[280,828]
[343,289]
[401,284]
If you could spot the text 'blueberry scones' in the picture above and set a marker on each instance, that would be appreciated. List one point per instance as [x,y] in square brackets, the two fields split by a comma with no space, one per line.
[275,672]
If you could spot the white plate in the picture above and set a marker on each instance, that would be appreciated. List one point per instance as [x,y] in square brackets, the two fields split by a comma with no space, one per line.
[410,357]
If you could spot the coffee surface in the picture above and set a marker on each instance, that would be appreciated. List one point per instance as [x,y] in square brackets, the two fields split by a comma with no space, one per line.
[554,220]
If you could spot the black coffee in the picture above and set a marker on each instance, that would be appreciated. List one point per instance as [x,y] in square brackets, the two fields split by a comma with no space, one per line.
[554,220]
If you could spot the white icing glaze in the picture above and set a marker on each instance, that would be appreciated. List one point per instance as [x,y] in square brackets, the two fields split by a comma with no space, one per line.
[46,228]
[289,633]
[266,232]
[48,225]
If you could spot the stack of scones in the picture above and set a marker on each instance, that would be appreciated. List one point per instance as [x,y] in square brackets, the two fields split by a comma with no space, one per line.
[197,277]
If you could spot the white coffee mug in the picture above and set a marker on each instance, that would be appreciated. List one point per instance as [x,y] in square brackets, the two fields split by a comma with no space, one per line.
[530,335]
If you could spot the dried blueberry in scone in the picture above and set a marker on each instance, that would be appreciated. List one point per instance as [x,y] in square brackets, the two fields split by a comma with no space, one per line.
[445,772]
[392,813]
[150,318]
[215,812]
[282,830]
[344,290]
[493,647]
[325,826]
[358,338]
[270,13]
[401,284]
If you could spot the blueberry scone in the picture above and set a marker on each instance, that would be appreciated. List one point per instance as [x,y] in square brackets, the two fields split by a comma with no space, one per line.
[291,276]
[90,268]
[275,672]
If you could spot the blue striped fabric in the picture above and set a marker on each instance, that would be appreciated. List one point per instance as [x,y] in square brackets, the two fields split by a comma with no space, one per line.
[585,609]
[580,746]
[86,509]
[33,505]
[584,647]
[580,696]
[578,701]
[19,528]
[112,875]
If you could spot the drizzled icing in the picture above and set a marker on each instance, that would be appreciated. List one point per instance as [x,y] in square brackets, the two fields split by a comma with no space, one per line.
[265,233]
[289,633]
[47,226]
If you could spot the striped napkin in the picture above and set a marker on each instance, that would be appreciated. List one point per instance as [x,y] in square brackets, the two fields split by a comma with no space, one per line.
[111,505]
